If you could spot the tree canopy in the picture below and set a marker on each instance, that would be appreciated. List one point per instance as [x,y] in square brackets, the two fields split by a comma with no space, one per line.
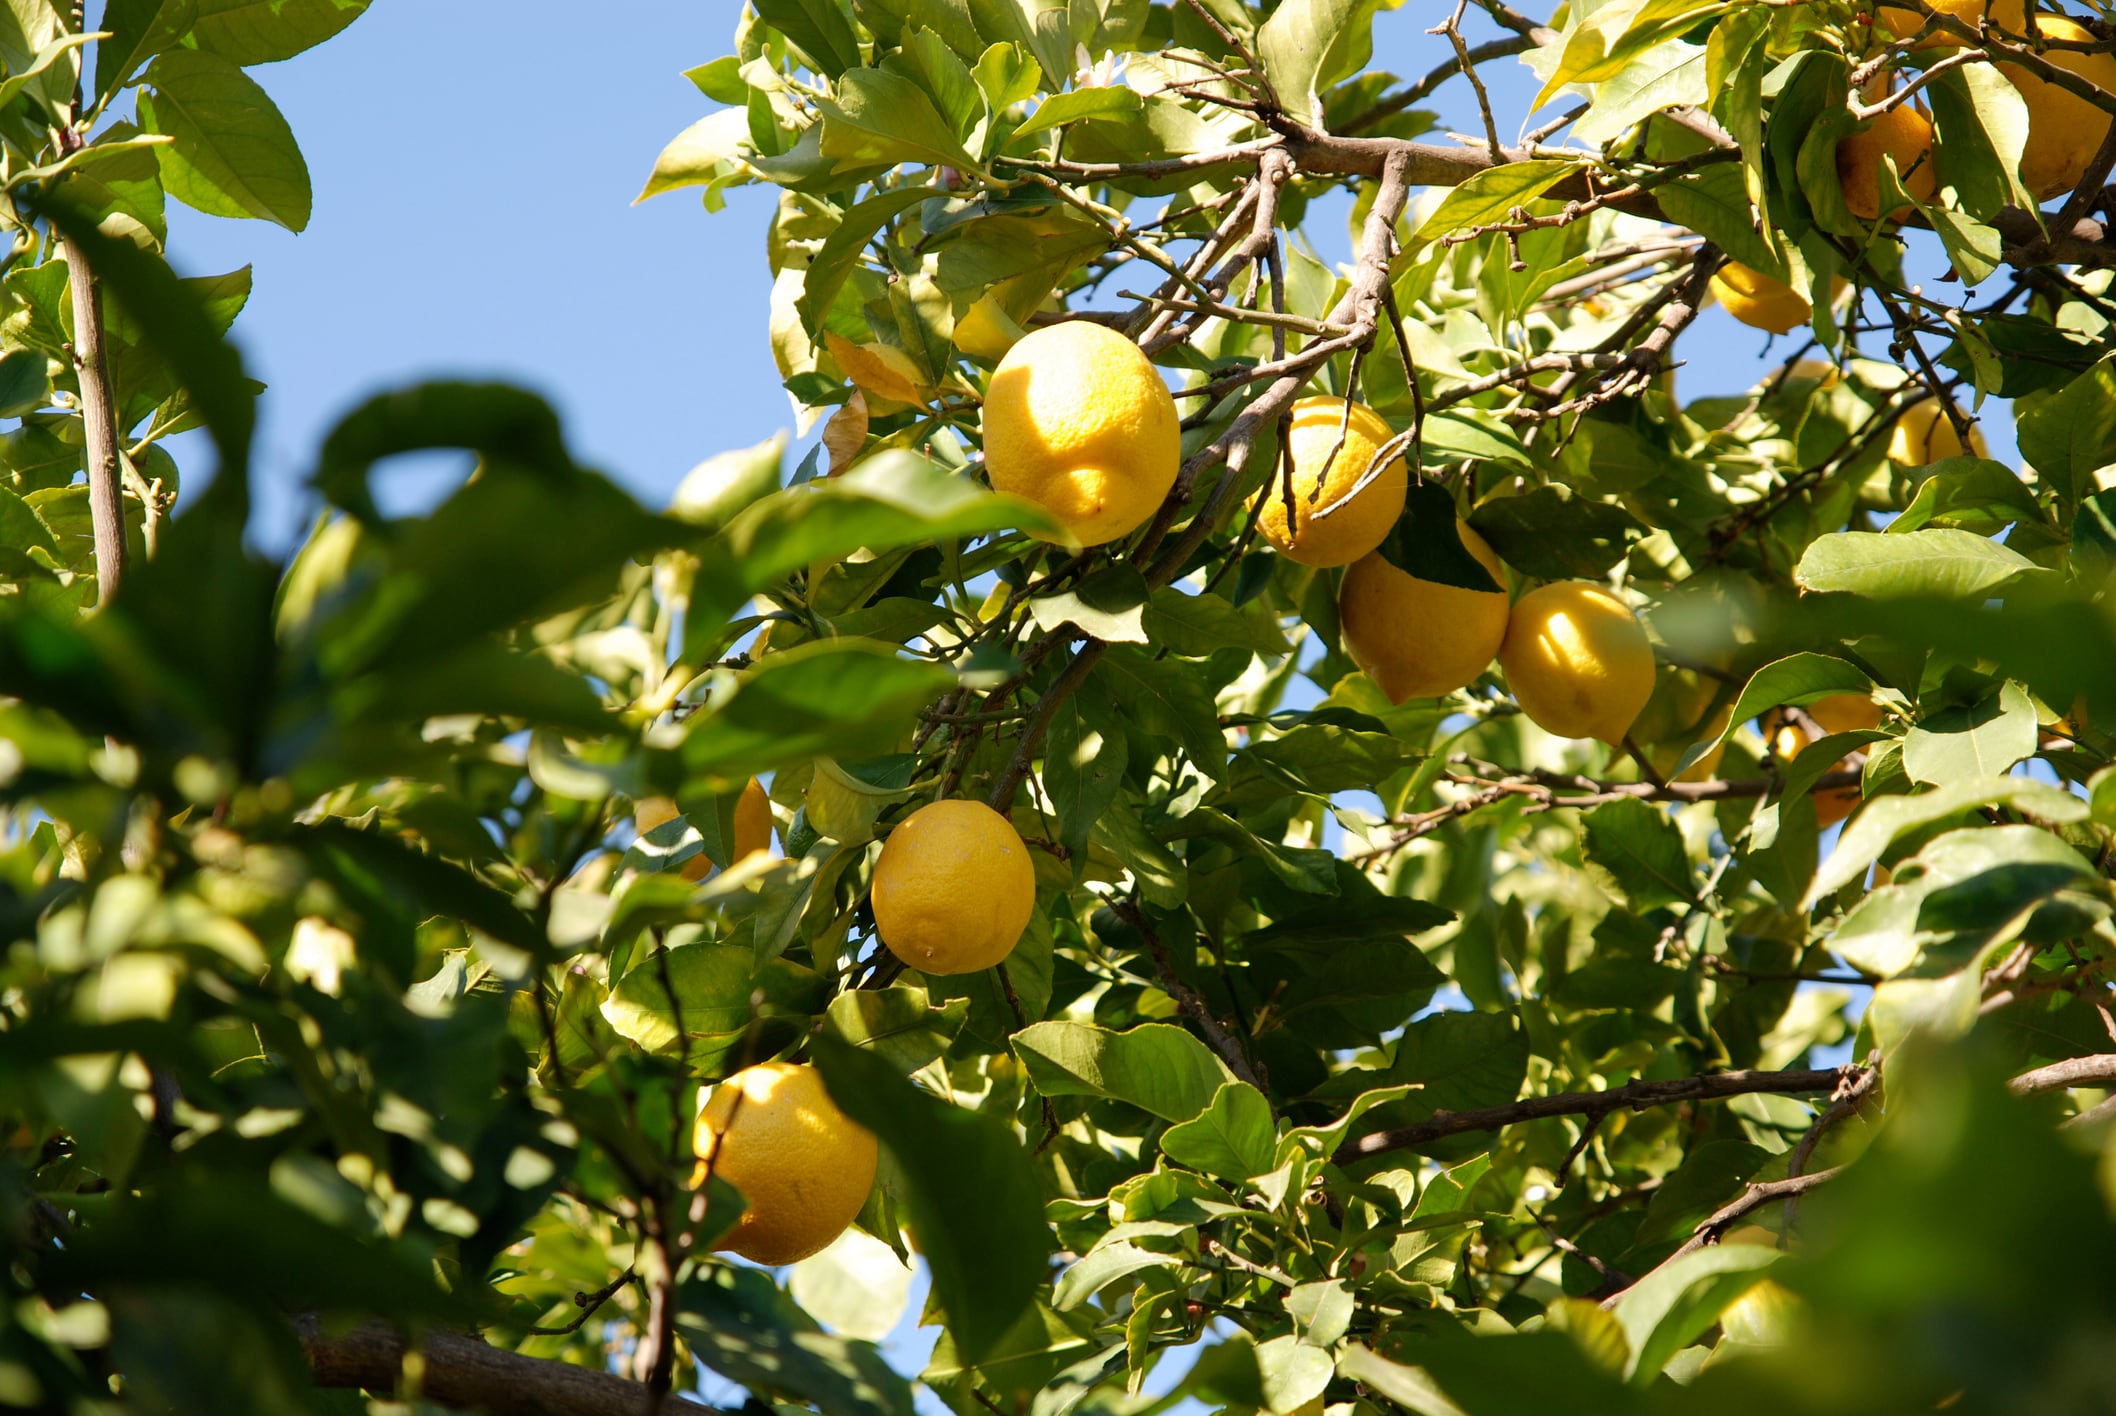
[1386,1034]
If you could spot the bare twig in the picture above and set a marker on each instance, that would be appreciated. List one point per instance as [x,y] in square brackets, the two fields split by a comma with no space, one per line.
[1712,1086]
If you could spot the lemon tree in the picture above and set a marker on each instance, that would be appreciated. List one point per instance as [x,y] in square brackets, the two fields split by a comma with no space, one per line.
[1284,798]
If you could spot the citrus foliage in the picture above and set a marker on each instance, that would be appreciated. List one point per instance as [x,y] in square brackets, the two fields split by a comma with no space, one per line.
[1400,1051]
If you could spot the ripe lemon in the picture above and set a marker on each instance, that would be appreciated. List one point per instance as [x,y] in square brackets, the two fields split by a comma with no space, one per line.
[1925,434]
[1079,422]
[1418,638]
[1839,713]
[1902,133]
[1578,661]
[1354,527]
[1678,715]
[2064,130]
[2007,14]
[1758,300]
[752,825]
[803,1166]
[953,888]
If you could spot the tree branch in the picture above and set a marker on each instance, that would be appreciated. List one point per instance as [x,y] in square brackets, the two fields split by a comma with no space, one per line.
[1713,1086]
[462,1370]
[1754,1198]
[106,500]
[2096,1071]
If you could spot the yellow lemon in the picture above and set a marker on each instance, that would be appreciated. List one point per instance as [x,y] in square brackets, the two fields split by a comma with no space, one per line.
[803,1166]
[1839,713]
[1330,449]
[1758,300]
[1578,661]
[1925,434]
[2064,130]
[1677,716]
[1079,422]
[1902,133]
[752,825]
[1418,638]
[953,889]
[2007,14]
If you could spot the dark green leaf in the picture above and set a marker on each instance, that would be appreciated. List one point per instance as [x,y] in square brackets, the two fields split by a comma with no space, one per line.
[970,1193]
[820,29]
[1641,849]
[744,1327]
[1426,541]
[1553,535]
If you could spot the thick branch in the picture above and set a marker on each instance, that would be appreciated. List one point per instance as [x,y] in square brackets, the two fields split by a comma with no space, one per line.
[463,1371]
[106,502]
[2095,1071]
[1714,1086]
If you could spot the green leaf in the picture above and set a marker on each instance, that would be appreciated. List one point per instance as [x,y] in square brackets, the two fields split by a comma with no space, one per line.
[1233,1138]
[1083,769]
[1293,1372]
[706,152]
[1968,494]
[2072,434]
[718,489]
[1110,605]
[1490,194]
[1063,108]
[969,1190]
[1795,682]
[892,499]
[1979,130]
[1294,46]
[267,31]
[1884,819]
[713,994]
[233,153]
[496,421]
[1409,1387]
[1099,1268]
[740,1324]
[843,248]
[820,29]
[880,117]
[1642,850]
[1195,625]
[1952,564]
[1552,534]
[1167,699]
[1426,541]
[1157,1067]
[1671,1307]
[25,386]
[898,1022]
[1714,202]
[844,697]
[1981,739]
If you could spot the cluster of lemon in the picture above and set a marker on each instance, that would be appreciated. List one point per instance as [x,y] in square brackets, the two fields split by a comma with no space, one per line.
[1078,421]
[2064,133]
[953,891]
